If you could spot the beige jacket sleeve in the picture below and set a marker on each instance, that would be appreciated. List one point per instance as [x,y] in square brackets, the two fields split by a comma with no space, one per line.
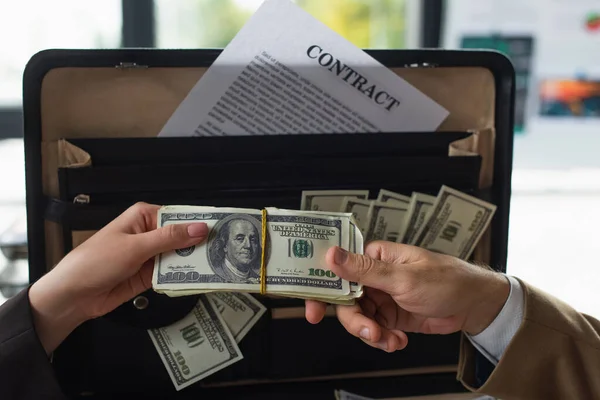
[555,354]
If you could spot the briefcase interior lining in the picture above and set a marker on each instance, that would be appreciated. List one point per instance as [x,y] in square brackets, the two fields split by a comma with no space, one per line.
[70,98]
[112,102]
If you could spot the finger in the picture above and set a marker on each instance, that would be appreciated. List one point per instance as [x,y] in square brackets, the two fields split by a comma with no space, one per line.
[368,306]
[389,341]
[357,324]
[127,290]
[315,311]
[382,320]
[389,313]
[139,218]
[146,274]
[171,237]
[402,338]
[363,269]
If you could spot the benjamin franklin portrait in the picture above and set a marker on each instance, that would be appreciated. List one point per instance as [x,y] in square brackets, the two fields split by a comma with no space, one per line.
[234,249]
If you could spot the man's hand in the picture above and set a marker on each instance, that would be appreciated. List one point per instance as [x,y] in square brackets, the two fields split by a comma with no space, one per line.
[110,268]
[408,289]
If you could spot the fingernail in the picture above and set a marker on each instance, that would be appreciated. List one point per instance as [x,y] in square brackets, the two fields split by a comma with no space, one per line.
[197,230]
[365,333]
[341,256]
[383,345]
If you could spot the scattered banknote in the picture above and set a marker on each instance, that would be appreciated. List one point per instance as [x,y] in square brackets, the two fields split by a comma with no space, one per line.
[329,200]
[386,196]
[240,311]
[452,222]
[230,259]
[419,211]
[196,346]
[344,395]
[456,223]
[359,208]
[386,221]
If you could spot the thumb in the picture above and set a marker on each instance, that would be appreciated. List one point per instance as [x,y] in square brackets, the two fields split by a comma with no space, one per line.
[362,269]
[172,237]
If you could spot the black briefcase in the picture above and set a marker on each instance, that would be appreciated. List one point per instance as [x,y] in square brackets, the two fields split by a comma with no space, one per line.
[91,123]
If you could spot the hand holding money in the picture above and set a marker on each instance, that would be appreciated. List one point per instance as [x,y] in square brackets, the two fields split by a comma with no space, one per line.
[90,281]
[413,290]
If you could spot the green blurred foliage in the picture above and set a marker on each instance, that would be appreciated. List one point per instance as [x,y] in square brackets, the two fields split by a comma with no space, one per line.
[218,21]
[366,23]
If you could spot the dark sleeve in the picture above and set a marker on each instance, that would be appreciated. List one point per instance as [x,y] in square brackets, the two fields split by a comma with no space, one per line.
[25,369]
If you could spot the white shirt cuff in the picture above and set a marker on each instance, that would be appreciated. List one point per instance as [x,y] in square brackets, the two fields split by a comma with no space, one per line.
[494,340]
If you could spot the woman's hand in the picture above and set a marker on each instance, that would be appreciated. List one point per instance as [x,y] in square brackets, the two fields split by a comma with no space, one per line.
[408,289]
[110,268]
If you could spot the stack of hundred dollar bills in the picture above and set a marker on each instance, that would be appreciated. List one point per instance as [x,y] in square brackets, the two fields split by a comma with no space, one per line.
[231,259]
[297,240]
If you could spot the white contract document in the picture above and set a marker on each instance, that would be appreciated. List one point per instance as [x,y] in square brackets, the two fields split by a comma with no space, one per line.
[285,72]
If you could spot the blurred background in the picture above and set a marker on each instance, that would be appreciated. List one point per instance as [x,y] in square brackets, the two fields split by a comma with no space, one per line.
[555,209]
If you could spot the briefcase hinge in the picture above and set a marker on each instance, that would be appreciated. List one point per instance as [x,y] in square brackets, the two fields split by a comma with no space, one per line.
[81,199]
[130,65]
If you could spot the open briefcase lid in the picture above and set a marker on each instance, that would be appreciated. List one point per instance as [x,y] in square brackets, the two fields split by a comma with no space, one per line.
[73,96]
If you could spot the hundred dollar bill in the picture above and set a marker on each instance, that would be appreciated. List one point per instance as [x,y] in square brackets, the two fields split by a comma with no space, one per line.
[386,221]
[329,200]
[240,311]
[360,211]
[344,395]
[230,259]
[456,224]
[196,346]
[356,247]
[385,196]
[418,212]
